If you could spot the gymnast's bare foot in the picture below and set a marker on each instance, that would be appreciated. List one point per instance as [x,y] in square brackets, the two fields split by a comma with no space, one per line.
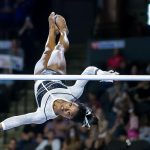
[51,20]
[61,24]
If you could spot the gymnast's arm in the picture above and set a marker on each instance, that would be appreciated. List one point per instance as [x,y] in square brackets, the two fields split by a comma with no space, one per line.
[15,121]
[91,70]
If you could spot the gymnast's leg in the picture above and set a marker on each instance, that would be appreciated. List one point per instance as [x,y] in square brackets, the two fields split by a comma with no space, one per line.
[57,60]
[53,56]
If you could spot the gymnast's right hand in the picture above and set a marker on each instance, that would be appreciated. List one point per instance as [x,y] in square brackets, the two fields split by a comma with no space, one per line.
[112,72]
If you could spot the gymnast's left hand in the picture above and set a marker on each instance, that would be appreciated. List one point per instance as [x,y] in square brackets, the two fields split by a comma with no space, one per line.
[110,72]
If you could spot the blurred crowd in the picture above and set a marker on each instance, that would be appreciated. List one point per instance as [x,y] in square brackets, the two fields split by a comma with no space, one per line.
[121,19]
[16,23]
[18,44]
[123,109]
[12,15]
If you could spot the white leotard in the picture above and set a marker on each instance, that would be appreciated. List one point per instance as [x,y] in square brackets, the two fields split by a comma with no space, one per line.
[55,90]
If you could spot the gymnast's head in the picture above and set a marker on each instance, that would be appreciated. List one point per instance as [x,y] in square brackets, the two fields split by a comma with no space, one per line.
[77,112]
[85,116]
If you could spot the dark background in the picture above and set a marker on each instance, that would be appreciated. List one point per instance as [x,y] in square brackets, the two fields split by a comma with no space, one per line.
[88,21]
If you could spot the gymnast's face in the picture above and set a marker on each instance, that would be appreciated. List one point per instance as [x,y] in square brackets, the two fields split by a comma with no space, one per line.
[68,109]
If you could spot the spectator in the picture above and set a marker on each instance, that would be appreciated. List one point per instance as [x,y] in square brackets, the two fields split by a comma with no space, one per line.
[12,145]
[103,123]
[17,58]
[39,138]
[93,99]
[142,98]
[51,141]
[6,16]
[114,62]
[144,132]
[134,70]
[22,9]
[26,142]
[28,39]
[99,144]
[122,103]
[89,142]
[17,51]
[72,140]
[123,70]
[59,126]
[133,126]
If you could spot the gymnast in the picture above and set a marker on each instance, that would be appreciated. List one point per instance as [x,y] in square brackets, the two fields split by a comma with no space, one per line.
[53,97]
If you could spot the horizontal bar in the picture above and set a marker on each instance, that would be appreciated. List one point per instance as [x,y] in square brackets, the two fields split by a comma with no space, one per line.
[76,77]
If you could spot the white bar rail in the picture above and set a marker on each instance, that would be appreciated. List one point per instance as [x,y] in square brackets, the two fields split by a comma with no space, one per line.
[75,77]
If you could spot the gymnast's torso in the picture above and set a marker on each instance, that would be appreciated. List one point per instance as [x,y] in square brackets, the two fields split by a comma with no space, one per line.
[46,92]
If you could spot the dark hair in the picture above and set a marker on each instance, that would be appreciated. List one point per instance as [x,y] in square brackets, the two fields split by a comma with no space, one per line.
[85,112]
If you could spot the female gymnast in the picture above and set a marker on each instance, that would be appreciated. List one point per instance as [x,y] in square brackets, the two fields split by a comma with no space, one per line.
[53,97]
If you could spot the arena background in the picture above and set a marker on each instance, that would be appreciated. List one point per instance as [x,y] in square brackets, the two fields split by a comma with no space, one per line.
[109,34]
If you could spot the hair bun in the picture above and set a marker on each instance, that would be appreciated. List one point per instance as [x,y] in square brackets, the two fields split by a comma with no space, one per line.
[85,116]
[93,120]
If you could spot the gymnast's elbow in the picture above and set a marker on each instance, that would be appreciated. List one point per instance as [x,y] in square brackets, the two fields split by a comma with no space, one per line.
[91,68]
[39,118]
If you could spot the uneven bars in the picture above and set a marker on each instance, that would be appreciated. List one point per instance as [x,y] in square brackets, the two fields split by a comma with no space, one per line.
[75,77]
